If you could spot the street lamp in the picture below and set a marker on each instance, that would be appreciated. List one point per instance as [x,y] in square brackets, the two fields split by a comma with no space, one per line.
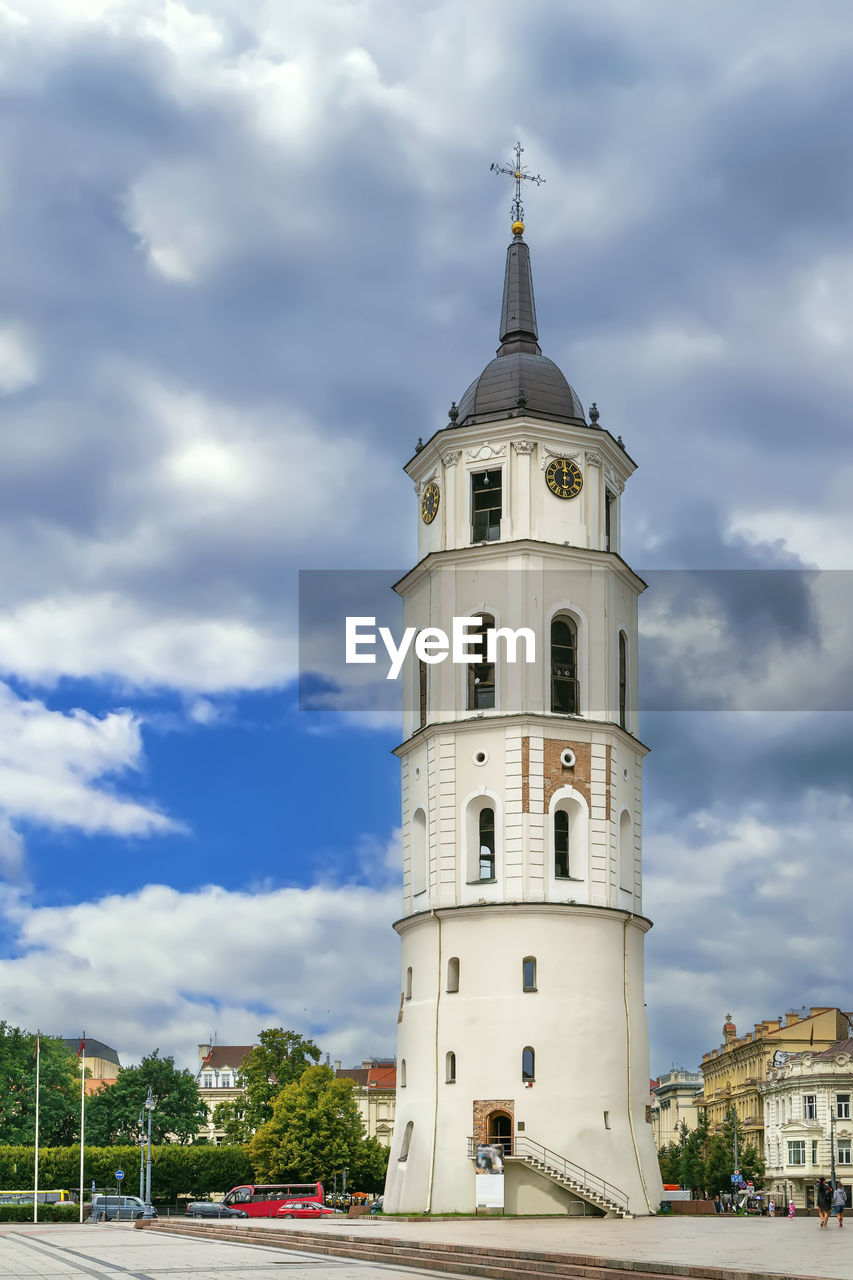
[150,1104]
[141,1123]
[832,1120]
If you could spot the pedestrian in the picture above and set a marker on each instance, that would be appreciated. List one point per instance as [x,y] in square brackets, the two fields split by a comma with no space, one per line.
[824,1200]
[791,1211]
[718,1208]
[839,1203]
[771,1208]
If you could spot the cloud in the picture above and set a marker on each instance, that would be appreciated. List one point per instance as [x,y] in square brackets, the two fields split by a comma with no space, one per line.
[18,360]
[61,770]
[166,968]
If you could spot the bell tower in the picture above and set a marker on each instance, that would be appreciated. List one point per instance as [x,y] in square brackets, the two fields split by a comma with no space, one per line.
[522,1022]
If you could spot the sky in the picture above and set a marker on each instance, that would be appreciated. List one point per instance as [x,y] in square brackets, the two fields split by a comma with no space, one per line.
[249,253]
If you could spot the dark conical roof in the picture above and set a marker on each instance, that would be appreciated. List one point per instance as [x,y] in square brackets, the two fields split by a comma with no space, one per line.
[520,378]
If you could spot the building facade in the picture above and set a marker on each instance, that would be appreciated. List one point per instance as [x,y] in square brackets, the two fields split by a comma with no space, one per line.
[807,1111]
[673,1104]
[216,1078]
[375,1091]
[102,1063]
[522,1022]
[731,1074]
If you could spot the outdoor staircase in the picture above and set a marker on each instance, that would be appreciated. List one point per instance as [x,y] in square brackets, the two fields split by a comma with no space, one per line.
[602,1196]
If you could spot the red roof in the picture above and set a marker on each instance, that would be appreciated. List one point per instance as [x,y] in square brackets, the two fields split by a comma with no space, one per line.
[226,1055]
[382,1077]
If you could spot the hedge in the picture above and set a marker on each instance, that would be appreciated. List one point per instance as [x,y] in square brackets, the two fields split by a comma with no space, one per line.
[175,1170]
[47,1213]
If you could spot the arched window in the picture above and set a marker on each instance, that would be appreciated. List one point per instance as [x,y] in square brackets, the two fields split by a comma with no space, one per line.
[481,674]
[528,1064]
[564,666]
[626,851]
[623,680]
[419,852]
[402,1073]
[561,844]
[409,983]
[423,692]
[450,1068]
[453,973]
[407,1141]
[528,973]
[487,844]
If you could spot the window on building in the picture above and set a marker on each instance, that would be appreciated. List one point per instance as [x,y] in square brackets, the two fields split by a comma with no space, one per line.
[481,674]
[528,1064]
[402,1073]
[450,1068]
[564,666]
[842,1106]
[487,844]
[407,1141]
[623,680]
[528,973]
[561,844]
[453,973]
[608,520]
[486,506]
[419,852]
[208,1080]
[809,1106]
[844,1151]
[423,692]
[225,1081]
[814,1151]
[797,1152]
[409,983]
[626,851]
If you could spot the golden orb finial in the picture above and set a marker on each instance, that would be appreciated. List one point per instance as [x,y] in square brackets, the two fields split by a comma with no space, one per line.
[518,228]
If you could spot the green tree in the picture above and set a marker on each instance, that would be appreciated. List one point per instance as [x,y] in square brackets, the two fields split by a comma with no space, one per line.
[720,1162]
[277,1060]
[693,1152]
[315,1132]
[59,1092]
[669,1159]
[113,1115]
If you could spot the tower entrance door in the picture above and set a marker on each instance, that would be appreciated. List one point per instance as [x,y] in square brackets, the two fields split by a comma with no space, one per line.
[500,1131]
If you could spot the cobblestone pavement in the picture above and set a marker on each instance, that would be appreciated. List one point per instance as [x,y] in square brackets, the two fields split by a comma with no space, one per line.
[114,1251]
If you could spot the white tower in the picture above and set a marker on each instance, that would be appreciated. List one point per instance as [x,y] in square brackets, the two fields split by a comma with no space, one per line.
[522,1019]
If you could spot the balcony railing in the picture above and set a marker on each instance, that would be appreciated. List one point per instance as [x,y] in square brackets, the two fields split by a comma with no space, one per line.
[525,1148]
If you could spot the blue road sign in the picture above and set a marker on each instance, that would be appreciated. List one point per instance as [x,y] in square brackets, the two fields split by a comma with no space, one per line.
[93,1185]
[119,1175]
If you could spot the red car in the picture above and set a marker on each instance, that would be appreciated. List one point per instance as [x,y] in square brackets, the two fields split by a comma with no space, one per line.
[300,1209]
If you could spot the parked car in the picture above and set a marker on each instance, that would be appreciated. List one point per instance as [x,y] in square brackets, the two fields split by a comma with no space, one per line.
[121,1208]
[213,1209]
[305,1209]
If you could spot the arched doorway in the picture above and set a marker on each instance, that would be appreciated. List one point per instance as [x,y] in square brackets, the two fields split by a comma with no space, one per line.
[500,1131]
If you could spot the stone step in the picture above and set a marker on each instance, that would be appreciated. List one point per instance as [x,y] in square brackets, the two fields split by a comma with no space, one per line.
[469,1260]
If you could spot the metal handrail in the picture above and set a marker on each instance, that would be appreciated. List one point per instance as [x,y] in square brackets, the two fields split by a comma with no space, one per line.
[522,1147]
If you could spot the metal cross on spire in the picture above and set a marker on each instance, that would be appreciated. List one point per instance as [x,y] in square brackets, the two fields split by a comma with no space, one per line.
[518,171]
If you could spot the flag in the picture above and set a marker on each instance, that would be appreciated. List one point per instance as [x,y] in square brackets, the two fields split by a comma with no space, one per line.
[36,1046]
[82,1046]
[811,1037]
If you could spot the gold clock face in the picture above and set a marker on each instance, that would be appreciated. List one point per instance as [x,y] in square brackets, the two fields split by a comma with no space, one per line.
[564,478]
[429,502]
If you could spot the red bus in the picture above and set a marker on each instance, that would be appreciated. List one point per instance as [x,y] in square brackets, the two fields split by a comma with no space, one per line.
[265,1201]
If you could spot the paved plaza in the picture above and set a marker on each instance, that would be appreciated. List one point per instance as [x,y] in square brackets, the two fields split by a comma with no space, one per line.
[115,1251]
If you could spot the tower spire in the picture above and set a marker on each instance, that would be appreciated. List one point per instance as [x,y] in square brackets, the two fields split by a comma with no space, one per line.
[518,309]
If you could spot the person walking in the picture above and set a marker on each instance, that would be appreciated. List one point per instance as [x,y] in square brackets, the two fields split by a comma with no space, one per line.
[771,1208]
[839,1204]
[824,1200]
[791,1211]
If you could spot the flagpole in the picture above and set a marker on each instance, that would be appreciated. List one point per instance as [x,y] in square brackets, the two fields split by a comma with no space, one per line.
[82,1115]
[36,1173]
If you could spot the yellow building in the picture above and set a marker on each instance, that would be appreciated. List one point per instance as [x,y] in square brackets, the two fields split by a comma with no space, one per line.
[731,1074]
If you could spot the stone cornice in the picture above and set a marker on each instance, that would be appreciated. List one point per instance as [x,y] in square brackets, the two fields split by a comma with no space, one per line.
[517,908]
